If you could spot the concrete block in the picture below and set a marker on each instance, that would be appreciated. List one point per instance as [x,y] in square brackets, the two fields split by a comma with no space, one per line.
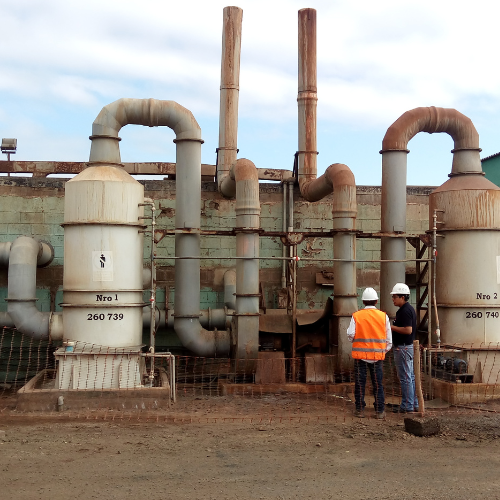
[53,204]
[427,426]
[371,245]
[10,217]
[19,229]
[31,217]
[42,230]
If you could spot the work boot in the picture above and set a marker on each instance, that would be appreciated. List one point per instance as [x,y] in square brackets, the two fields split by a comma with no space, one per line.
[380,415]
[398,409]
[359,413]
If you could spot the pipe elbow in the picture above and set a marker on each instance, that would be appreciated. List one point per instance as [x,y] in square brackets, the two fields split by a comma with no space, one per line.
[29,320]
[431,120]
[148,112]
[338,175]
[200,341]
[244,170]
[335,176]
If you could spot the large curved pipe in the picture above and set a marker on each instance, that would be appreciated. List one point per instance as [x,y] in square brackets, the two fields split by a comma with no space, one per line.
[24,254]
[466,160]
[246,177]
[105,149]
[229,95]
[44,257]
[338,178]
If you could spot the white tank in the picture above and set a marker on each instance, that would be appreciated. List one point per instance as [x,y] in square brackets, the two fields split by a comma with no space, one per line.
[468,260]
[103,258]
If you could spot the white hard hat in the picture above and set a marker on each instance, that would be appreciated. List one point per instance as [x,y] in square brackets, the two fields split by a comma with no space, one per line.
[369,294]
[400,289]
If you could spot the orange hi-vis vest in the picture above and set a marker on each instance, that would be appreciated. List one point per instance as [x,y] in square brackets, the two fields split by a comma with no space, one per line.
[370,340]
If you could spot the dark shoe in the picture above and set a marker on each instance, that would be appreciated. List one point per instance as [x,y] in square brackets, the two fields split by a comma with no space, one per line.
[380,416]
[398,409]
[359,413]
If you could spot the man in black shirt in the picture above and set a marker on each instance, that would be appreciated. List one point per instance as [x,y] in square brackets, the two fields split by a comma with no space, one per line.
[404,329]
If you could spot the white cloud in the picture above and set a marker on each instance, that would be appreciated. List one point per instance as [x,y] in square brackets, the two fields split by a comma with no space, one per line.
[376,60]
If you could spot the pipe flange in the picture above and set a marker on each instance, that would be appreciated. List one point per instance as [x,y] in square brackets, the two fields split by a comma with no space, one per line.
[466,149]
[382,151]
[201,141]
[453,174]
[189,316]
[114,137]
[21,300]
[106,306]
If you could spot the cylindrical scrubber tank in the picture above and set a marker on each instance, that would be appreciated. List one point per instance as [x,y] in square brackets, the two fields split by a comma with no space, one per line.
[103,255]
[468,260]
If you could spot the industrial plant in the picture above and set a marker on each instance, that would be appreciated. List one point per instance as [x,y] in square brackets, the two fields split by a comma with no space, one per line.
[255,271]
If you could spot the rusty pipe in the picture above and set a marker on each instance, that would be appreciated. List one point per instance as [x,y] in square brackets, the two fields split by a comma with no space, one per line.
[394,151]
[229,95]
[246,177]
[307,99]
[337,178]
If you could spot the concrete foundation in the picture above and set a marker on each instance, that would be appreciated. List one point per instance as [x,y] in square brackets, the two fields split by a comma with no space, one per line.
[40,394]
[463,394]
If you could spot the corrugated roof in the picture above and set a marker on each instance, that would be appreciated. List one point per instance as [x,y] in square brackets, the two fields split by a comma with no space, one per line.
[491,156]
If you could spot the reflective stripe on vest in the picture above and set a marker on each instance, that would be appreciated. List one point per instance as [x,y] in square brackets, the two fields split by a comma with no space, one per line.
[370,340]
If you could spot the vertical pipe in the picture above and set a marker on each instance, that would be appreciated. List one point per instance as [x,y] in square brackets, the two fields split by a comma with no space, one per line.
[229,95]
[394,150]
[434,259]
[294,312]
[230,289]
[247,269]
[152,299]
[283,228]
[393,220]
[307,97]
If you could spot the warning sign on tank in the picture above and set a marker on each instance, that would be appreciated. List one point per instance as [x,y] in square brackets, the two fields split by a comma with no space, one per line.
[102,266]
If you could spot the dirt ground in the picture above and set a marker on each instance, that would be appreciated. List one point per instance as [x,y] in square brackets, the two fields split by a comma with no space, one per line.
[226,453]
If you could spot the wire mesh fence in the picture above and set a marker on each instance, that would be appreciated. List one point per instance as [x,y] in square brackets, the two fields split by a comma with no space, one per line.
[92,381]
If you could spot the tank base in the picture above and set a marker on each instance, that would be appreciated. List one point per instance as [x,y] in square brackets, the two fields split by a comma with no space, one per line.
[40,394]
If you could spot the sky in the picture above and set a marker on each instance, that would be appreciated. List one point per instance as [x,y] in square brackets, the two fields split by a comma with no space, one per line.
[62,61]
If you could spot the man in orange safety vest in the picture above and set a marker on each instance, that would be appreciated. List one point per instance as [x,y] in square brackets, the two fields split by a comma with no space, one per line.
[371,337]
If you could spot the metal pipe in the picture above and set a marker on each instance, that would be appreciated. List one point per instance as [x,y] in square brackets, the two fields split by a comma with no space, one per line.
[394,152]
[434,259]
[310,259]
[307,99]
[153,113]
[247,269]
[294,312]
[187,271]
[337,178]
[6,320]
[152,298]
[230,289]
[229,95]
[24,253]
[44,257]
[283,228]
[171,365]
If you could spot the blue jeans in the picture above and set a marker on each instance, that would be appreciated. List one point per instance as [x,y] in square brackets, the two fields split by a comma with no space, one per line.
[376,374]
[403,358]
